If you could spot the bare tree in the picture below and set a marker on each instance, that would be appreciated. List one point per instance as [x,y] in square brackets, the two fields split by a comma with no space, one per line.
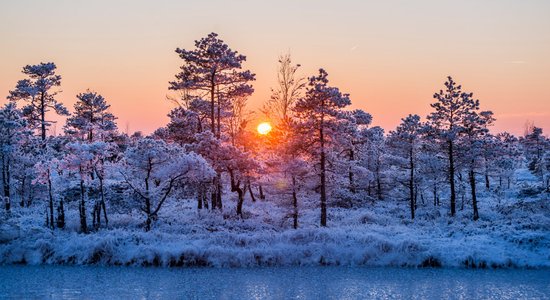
[288,91]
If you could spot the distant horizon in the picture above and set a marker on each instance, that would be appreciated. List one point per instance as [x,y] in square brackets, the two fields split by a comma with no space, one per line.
[390,57]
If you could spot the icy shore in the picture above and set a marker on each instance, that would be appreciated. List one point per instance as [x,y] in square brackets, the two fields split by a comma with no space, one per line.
[510,234]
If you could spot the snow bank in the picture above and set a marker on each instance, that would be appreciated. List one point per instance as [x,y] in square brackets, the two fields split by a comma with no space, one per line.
[513,234]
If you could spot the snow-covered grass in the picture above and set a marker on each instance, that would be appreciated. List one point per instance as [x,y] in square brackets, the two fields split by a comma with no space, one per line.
[512,232]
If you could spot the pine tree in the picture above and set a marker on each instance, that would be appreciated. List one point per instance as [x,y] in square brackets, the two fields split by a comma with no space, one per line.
[212,70]
[353,140]
[375,160]
[451,108]
[535,145]
[507,157]
[47,166]
[37,91]
[91,120]
[12,132]
[318,112]
[78,163]
[475,127]
[405,142]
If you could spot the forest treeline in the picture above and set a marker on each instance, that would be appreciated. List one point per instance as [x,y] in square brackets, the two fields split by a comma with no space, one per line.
[209,150]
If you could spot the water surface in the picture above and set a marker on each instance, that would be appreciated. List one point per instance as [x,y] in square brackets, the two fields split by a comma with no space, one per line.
[77,282]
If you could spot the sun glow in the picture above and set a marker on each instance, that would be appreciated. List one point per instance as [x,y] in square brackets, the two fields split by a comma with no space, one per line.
[264,128]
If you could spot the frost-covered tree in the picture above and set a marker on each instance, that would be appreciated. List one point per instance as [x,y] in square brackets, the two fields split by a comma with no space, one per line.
[47,169]
[451,108]
[38,93]
[91,120]
[546,170]
[405,144]
[211,149]
[506,157]
[431,162]
[153,169]
[240,166]
[535,145]
[77,162]
[238,120]
[375,160]
[24,168]
[319,112]
[283,147]
[288,90]
[213,71]
[100,153]
[475,127]
[282,141]
[12,132]
[488,157]
[183,125]
[228,158]
[94,126]
[353,141]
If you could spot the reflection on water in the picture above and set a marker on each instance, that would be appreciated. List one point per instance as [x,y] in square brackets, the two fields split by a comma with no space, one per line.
[270,283]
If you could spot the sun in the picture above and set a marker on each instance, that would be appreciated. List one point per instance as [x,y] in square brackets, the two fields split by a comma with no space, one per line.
[264,128]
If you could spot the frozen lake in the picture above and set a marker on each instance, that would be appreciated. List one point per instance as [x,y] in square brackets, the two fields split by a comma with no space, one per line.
[73,282]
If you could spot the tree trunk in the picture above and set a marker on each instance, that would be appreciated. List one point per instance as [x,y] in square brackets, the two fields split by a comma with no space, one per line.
[240,194]
[43,117]
[251,193]
[52,226]
[435,194]
[219,192]
[323,179]
[31,195]
[294,203]
[8,204]
[219,130]
[378,182]
[262,195]
[147,209]
[95,221]
[235,187]
[98,212]
[411,182]
[6,180]
[102,203]
[199,197]
[474,197]
[47,217]
[487,183]
[22,194]
[452,178]
[61,215]
[212,103]
[214,199]
[148,213]
[83,225]
[204,196]
[350,175]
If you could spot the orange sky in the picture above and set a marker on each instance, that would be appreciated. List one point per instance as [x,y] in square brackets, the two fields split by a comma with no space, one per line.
[391,56]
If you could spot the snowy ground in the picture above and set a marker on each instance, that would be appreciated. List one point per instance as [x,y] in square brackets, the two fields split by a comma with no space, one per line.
[512,233]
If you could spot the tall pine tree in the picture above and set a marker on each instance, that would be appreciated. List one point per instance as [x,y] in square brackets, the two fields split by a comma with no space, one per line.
[319,112]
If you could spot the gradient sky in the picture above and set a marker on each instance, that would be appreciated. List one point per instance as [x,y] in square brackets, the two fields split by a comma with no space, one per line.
[391,56]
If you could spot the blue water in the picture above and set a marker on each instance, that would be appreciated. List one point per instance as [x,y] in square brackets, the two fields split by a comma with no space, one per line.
[74,282]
